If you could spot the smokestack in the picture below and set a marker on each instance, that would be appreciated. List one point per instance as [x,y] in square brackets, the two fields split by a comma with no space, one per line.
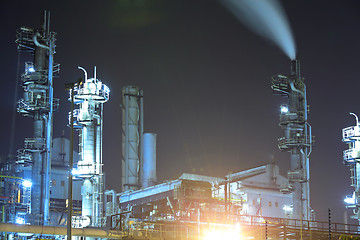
[132,130]
[295,68]
[149,164]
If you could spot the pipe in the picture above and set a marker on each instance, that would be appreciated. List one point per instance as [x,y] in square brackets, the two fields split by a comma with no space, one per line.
[49,133]
[37,42]
[141,138]
[295,89]
[356,117]
[95,73]
[49,230]
[81,68]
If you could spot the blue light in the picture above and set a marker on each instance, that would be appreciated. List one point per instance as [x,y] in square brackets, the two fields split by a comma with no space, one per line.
[284,109]
[31,69]
[75,172]
[27,183]
[351,200]
[19,220]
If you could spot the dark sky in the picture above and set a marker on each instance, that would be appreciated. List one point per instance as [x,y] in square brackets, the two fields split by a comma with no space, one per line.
[206,81]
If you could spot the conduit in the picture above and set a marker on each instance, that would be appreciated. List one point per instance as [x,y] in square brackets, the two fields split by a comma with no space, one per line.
[48,230]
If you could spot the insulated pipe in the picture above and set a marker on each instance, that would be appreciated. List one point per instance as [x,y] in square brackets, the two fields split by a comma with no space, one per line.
[84,72]
[356,117]
[141,136]
[48,230]
[37,42]
[49,133]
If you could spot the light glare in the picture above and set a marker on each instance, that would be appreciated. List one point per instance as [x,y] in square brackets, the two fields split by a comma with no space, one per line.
[287,208]
[232,233]
[350,200]
[27,183]
[19,220]
[284,109]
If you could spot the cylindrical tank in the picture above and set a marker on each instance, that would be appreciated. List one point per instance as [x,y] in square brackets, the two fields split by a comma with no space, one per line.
[36,176]
[87,192]
[149,164]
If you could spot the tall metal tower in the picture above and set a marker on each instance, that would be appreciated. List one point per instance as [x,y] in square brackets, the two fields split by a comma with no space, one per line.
[132,132]
[90,95]
[351,156]
[297,138]
[38,103]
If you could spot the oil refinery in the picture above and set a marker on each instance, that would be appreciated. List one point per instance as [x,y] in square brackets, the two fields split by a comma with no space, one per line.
[54,188]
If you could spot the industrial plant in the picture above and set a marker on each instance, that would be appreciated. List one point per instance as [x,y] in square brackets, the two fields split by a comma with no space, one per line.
[54,188]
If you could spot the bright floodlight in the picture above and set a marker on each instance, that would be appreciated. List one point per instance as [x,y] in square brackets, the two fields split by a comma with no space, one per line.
[287,208]
[75,172]
[27,183]
[232,233]
[31,69]
[19,220]
[284,109]
[350,199]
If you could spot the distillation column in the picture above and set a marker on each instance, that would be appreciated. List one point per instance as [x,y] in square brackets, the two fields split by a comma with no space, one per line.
[132,132]
[297,138]
[38,103]
[351,156]
[90,95]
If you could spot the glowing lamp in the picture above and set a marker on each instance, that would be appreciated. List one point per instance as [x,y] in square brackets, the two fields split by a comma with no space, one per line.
[31,69]
[350,199]
[229,233]
[287,208]
[19,220]
[75,172]
[284,109]
[26,183]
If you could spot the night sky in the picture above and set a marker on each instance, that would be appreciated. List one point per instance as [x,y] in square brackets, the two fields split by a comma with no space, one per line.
[206,81]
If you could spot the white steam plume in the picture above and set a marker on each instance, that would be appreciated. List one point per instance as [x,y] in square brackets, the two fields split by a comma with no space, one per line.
[266,18]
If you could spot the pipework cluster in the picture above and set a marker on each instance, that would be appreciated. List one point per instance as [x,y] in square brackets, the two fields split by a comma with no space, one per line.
[297,139]
[90,95]
[38,102]
[351,158]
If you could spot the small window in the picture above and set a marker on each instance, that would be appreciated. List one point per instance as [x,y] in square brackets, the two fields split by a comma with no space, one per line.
[62,183]
[270,204]
[54,183]
[276,204]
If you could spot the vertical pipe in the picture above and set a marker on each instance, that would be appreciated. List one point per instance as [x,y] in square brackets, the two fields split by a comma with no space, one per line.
[97,196]
[141,137]
[49,135]
[71,161]
[226,198]
[102,177]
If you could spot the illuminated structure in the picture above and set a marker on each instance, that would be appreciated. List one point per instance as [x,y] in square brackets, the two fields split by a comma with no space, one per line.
[132,132]
[351,136]
[90,95]
[297,138]
[38,103]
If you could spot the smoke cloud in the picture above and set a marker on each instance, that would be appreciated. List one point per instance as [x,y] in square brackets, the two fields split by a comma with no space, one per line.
[267,18]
